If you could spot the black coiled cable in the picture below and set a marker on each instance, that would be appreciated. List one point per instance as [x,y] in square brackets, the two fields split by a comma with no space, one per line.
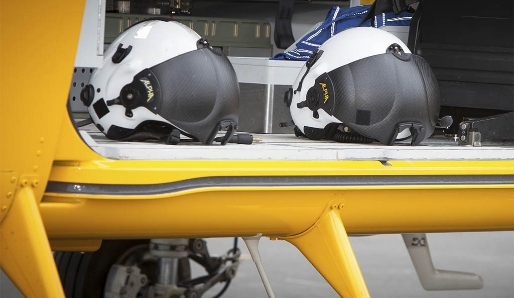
[343,137]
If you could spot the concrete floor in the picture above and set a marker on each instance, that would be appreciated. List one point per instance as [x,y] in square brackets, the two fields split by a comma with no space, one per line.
[387,267]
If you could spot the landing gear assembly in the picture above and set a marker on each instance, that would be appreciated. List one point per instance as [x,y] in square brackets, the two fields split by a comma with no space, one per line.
[147,269]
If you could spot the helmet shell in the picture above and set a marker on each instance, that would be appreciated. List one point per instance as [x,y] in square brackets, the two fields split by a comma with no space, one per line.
[367,79]
[160,74]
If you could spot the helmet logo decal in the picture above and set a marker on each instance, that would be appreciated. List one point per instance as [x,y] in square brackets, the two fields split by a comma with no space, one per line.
[320,96]
[325,92]
[143,91]
[149,88]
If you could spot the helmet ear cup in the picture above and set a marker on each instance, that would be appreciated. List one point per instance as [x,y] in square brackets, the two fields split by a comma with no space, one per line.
[288,97]
[87,94]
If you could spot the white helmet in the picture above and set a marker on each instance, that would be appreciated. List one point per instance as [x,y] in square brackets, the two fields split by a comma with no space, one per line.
[367,80]
[160,78]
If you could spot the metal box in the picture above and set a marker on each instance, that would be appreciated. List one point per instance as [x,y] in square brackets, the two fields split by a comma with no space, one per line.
[262,84]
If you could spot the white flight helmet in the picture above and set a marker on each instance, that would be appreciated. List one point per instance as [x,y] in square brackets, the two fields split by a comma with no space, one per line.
[160,78]
[366,80]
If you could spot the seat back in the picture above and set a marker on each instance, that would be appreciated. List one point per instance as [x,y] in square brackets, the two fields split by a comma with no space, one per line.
[469,45]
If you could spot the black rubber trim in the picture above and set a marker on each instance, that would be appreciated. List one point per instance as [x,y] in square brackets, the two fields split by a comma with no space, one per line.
[272,181]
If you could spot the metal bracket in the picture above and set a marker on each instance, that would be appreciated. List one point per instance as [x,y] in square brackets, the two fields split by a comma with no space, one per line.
[497,128]
[124,281]
[433,279]
[327,246]
[253,247]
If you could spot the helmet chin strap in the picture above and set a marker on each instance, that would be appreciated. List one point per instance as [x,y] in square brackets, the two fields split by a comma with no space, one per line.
[415,129]
[231,127]
[229,137]
[117,101]
[173,138]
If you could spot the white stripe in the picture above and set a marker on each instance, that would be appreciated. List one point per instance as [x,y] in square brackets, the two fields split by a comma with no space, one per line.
[310,44]
[400,19]
[315,34]
[332,27]
[298,54]
[297,57]
[335,13]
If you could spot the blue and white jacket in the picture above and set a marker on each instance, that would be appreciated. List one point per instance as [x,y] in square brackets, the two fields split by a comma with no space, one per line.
[337,20]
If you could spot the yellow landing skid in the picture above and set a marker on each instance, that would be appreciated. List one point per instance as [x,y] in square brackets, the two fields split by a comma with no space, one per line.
[327,247]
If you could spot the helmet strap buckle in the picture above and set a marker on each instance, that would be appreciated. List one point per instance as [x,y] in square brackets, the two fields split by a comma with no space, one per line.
[314,57]
[174,137]
[230,127]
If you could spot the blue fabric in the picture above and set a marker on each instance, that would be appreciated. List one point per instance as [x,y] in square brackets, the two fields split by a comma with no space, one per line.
[337,20]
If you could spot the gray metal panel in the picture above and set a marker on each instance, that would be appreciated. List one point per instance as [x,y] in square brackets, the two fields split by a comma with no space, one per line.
[262,108]
[91,46]
[79,80]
